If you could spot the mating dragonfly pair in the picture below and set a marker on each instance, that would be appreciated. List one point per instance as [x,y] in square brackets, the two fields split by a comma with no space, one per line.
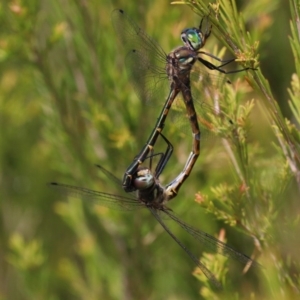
[151,67]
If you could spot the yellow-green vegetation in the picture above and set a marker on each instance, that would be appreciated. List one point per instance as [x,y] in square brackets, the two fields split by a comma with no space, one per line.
[66,103]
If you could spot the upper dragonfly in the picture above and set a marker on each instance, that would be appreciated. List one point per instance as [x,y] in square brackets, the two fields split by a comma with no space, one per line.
[150,67]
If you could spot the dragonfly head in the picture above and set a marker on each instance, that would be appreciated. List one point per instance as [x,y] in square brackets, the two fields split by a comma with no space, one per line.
[149,190]
[144,179]
[193,38]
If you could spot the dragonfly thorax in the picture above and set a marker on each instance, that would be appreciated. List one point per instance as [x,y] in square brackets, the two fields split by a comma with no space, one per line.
[180,62]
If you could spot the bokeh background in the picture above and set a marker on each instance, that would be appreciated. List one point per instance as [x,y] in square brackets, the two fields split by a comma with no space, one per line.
[67,103]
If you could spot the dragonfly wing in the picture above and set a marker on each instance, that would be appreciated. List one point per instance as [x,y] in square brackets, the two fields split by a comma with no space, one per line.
[133,37]
[105,199]
[110,176]
[211,242]
[211,277]
[145,60]
[150,81]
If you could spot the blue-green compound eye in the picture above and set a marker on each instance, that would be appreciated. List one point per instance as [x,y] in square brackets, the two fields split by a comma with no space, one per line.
[192,38]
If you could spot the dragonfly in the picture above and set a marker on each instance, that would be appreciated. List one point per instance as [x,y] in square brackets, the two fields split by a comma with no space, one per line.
[150,68]
[151,195]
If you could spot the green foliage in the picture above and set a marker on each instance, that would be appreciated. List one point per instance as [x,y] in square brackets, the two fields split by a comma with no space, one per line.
[66,103]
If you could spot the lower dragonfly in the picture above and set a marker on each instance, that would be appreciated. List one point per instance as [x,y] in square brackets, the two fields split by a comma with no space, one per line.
[153,196]
[151,69]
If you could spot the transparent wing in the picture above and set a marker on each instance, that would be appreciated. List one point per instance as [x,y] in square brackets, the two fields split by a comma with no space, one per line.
[116,202]
[211,242]
[145,59]
[133,37]
[110,176]
[148,76]
[211,277]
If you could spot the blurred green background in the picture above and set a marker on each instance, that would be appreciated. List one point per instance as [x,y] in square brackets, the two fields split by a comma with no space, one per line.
[67,103]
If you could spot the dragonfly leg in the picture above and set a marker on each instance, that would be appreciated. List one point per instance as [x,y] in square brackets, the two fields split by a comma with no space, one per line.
[208,28]
[211,66]
[165,157]
[224,61]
